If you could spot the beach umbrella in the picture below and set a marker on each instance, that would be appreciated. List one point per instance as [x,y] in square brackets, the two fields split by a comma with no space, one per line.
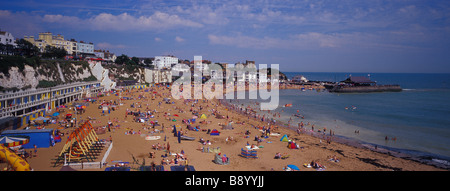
[55,114]
[293,167]
[41,118]
[12,141]
[176,115]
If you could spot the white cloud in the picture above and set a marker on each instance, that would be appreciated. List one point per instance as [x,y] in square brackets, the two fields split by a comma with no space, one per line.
[179,39]
[304,41]
[246,41]
[206,14]
[158,39]
[105,45]
[125,22]
[20,23]
[316,41]
[62,19]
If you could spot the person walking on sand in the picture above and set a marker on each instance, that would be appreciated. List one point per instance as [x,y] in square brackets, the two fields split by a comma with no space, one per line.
[168,147]
[35,150]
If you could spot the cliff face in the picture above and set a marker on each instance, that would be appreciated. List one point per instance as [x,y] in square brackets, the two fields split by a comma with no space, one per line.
[55,72]
[51,73]
[102,75]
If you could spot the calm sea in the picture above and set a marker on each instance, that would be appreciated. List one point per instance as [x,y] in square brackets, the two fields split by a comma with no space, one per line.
[415,121]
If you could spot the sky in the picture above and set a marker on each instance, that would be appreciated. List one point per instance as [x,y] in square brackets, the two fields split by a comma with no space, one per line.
[401,36]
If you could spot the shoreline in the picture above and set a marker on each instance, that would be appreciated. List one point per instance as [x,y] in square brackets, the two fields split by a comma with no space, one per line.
[436,160]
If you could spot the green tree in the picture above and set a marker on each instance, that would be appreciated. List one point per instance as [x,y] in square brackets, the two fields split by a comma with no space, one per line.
[54,52]
[148,61]
[25,48]
[122,59]
[135,60]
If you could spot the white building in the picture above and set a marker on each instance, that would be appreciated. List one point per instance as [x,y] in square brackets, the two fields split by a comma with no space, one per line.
[157,76]
[179,69]
[162,62]
[299,79]
[100,55]
[7,38]
[83,47]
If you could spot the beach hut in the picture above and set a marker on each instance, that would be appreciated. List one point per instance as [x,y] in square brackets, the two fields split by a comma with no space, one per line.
[214,132]
[284,138]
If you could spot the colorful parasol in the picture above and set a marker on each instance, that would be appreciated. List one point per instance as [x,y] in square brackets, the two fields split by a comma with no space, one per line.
[10,141]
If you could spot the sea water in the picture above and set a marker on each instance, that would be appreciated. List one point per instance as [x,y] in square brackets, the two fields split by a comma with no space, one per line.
[415,121]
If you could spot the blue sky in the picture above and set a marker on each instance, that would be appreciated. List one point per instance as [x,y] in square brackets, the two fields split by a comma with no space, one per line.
[302,36]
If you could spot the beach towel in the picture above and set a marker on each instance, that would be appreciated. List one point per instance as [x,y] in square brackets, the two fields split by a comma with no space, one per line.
[150,168]
[249,148]
[182,168]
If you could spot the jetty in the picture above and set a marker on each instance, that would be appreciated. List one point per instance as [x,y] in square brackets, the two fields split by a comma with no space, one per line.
[360,84]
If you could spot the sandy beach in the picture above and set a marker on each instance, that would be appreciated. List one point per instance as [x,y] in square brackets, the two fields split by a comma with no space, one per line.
[127,146]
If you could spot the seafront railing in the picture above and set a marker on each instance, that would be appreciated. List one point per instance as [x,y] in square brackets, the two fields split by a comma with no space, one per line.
[8,110]
[44,90]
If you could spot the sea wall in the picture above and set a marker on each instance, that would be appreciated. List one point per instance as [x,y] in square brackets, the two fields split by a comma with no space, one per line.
[363,89]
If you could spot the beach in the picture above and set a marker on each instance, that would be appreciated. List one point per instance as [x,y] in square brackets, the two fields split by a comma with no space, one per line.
[130,145]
